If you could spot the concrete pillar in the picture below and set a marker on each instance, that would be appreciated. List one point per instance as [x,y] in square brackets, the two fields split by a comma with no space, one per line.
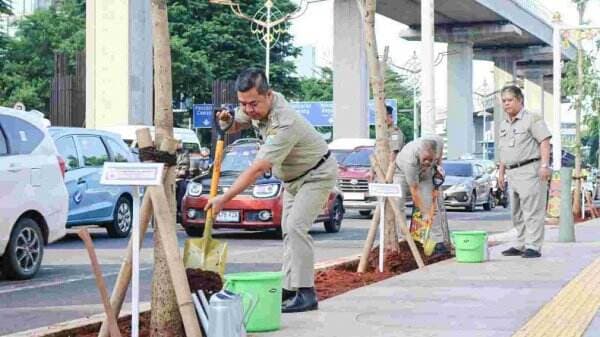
[428,111]
[534,91]
[118,63]
[350,76]
[459,124]
[504,73]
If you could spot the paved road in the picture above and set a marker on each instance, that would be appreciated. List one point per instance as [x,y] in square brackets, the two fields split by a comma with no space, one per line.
[65,288]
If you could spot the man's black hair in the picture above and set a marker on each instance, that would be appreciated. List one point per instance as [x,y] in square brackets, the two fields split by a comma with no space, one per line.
[252,78]
[390,110]
[514,90]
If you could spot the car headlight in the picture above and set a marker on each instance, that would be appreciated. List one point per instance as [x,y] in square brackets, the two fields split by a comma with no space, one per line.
[265,190]
[194,189]
[459,187]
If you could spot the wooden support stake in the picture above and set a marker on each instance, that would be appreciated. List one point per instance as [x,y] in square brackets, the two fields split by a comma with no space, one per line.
[400,217]
[362,264]
[110,315]
[168,237]
[144,139]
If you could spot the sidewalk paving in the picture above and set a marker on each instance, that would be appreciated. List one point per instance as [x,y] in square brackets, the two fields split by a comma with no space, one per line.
[495,298]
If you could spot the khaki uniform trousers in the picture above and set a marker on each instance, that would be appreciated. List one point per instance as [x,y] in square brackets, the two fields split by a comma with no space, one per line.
[528,205]
[426,188]
[303,201]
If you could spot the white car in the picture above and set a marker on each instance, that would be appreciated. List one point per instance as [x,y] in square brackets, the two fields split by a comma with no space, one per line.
[33,197]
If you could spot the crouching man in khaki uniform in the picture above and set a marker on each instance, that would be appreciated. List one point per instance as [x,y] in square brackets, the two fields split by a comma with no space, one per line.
[524,148]
[415,164]
[299,156]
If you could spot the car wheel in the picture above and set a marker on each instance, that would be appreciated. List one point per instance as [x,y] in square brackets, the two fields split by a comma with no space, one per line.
[194,231]
[336,216]
[367,213]
[122,219]
[472,203]
[489,204]
[278,232]
[24,252]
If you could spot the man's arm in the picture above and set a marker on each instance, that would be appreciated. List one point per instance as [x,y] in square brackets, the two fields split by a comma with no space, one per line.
[415,192]
[239,123]
[501,169]
[545,171]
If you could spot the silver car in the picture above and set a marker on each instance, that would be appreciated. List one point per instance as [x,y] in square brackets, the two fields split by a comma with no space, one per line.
[468,185]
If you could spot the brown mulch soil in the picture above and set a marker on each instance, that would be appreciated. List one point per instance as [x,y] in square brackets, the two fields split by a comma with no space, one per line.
[588,216]
[335,281]
[329,283]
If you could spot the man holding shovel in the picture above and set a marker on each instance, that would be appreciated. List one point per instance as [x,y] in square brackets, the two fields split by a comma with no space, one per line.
[416,163]
[299,156]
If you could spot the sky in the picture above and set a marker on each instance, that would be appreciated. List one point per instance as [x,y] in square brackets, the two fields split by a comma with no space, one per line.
[315,28]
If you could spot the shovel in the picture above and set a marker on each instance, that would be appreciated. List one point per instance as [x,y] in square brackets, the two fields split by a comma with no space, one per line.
[422,229]
[207,253]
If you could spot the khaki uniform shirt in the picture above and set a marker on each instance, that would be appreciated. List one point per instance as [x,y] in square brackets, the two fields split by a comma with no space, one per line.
[291,144]
[396,139]
[408,160]
[520,139]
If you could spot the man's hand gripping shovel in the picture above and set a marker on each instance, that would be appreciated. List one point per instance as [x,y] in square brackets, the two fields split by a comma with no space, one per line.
[206,253]
[421,228]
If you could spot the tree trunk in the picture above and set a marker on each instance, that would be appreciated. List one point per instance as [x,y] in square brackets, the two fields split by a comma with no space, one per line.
[579,102]
[382,147]
[165,319]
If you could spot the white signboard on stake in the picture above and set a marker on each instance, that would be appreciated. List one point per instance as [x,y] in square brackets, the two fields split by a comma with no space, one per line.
[385,190]
[134,174]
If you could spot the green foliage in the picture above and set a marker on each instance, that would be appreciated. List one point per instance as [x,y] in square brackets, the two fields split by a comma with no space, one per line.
[208,42]
[396,86]
[27,60]
[4,7]
[317,89]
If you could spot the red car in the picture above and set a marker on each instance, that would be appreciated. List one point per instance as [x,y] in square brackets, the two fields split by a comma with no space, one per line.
[354,178]
[259,207]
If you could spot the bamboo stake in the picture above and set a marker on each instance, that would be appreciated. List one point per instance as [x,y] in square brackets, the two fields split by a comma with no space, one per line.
[168,238]
[400,217]
[362,264]
[144,139]
[110,315]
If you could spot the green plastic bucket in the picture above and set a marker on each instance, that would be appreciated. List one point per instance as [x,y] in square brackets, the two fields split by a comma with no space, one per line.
[266,287]
[470,245]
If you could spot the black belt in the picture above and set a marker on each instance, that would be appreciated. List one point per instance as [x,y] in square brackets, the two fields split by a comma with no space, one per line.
[523,163]
[321,161]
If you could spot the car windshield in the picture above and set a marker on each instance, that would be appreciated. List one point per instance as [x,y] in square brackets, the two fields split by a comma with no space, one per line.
[238,159]
[458,169]
[340,155]
[359,157]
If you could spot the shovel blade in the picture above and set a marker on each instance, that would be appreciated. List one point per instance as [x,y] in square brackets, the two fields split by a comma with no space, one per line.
[206,254]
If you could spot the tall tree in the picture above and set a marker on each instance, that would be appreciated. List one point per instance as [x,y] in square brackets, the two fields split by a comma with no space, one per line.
[4,7]
[27,63]
[209,42]
[316,89]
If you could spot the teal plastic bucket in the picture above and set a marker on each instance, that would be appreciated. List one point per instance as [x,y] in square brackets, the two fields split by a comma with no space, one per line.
[266,288]
[470,246]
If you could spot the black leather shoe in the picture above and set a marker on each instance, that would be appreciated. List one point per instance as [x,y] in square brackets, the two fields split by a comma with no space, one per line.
[287,294]
[305,300]
[531,253]
[512,252]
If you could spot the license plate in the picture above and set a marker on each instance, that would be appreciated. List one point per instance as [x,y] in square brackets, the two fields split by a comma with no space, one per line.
[228,216]
[354,196]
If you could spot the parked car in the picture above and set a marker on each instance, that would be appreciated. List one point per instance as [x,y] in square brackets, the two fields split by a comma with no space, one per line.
[187,137]
[33,197]
[342,147]
[500,195]
[467,185]
[91,203]
[259,207]
[353,180]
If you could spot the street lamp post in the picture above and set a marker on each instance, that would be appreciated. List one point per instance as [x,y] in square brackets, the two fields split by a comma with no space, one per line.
[413,67]
[483,96]
[266,22]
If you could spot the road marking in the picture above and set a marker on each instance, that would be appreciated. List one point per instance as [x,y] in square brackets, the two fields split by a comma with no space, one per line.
[570,312]
[59,282]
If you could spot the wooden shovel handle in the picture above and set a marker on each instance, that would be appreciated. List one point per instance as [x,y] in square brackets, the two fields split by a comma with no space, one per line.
[110,315]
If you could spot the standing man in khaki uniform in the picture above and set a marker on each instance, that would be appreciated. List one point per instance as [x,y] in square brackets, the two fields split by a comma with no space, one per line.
[299,156]
[396,135]
[415,164]
[524,148]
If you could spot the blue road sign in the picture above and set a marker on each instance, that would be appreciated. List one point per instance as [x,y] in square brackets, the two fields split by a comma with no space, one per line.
[321,113]
[202,116]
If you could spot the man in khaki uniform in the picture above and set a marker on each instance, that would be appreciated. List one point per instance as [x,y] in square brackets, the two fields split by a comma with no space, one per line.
[524,148]
[396,135]
[415,164]
[299,156]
